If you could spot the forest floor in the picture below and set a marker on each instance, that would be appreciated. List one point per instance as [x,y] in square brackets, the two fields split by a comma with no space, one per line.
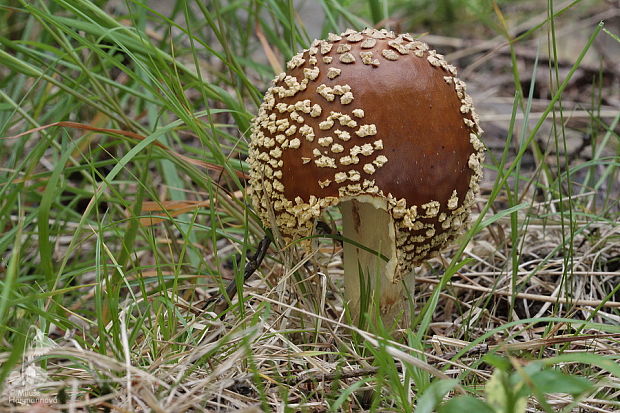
[121,224]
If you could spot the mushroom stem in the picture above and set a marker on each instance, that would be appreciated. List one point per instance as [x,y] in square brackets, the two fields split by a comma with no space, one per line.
[366,221]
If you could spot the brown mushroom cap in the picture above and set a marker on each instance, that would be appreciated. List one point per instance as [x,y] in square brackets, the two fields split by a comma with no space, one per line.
[373,114]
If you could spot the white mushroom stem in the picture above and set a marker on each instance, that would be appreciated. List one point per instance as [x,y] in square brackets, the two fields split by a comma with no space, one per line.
[365,220]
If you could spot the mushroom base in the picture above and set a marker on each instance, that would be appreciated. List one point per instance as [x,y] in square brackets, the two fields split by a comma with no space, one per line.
[369,286]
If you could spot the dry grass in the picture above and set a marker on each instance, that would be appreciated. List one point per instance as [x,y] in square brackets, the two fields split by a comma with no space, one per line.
[537,284]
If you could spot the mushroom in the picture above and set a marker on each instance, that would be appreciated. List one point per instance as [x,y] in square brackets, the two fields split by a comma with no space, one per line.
[379,125]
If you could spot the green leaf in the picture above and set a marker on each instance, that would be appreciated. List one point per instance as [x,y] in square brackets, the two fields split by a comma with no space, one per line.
[494,389]
[502,214]
[504,397]
[347,392]
[587,358]
[463,404]
[498,362]
[433,395]
[554,381]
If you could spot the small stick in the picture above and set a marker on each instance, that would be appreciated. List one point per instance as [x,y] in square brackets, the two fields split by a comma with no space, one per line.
[526,296]
[220,304]
[299,377]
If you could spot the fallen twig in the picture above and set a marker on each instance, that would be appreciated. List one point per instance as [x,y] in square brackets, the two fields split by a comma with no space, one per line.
[220,304]
[526,296]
